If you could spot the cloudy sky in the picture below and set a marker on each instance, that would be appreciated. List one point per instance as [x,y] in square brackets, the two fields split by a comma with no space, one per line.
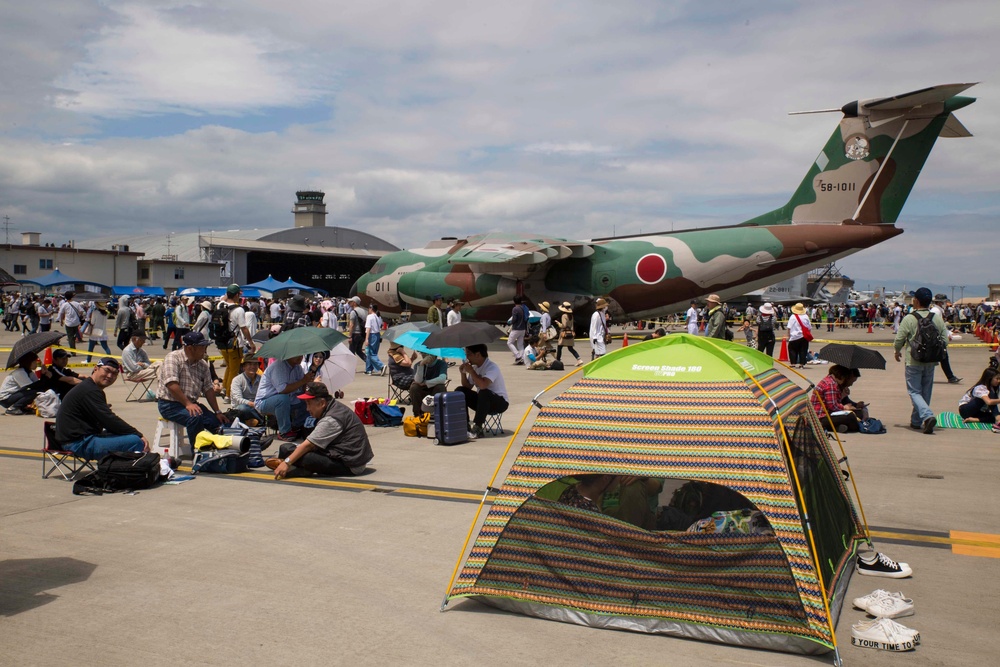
[427,119]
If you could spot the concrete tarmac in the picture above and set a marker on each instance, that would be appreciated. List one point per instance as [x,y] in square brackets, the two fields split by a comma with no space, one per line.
[243,569]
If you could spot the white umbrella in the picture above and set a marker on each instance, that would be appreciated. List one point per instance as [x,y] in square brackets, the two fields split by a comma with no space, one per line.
[338,371]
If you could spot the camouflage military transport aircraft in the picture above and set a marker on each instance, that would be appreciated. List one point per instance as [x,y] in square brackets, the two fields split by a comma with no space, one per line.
[849,200]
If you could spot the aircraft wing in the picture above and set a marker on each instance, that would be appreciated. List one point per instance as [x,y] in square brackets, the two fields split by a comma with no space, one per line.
[519,252]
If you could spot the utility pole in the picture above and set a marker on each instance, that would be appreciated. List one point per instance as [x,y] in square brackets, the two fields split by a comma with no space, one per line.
[953,294]
[962,287]
[6,228]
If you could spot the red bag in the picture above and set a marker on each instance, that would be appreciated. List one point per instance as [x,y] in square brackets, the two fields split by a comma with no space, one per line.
[363,409]
[807,333]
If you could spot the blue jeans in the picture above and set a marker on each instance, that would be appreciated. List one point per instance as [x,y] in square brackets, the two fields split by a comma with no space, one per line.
[289,411]
[245,412]
[93,343]
[372,363]
[93,447]
[175,412]
[919,383]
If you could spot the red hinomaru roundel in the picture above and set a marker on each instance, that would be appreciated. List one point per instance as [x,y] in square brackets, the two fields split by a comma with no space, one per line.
[651,268]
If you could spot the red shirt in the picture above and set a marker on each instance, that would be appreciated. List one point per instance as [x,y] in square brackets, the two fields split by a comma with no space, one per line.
[830,393]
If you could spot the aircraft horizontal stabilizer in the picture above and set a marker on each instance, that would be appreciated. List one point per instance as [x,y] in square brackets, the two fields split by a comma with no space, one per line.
[953,128]
[916,98]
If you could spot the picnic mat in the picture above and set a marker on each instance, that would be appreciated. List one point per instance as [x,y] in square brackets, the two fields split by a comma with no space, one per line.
[954,420]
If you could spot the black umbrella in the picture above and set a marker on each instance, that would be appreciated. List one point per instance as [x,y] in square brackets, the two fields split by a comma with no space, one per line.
[852,356]
[464,334]
[32,343]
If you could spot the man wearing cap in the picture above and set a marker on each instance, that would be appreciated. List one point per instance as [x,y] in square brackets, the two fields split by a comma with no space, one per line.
[715,327]
[919,374]
[338,446]
[232,350]
[85,424]
[434,310]
[184,377]
[356,319]
[58,376]
[599,330]
[136,363]
[455,313]
[691,317]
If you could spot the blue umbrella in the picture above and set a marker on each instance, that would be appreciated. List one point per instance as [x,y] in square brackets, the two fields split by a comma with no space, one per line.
[415,339]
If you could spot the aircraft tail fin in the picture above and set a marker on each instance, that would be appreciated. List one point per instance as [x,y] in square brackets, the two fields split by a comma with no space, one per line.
[869,165]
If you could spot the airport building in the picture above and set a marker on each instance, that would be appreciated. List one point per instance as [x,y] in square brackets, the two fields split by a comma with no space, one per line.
[310,252]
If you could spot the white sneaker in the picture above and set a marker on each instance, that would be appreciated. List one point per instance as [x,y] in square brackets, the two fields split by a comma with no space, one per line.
[471,435]
[884,634]
[879,565]
[885,604]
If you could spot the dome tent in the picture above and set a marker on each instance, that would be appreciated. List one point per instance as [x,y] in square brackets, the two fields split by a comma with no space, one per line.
[684,413]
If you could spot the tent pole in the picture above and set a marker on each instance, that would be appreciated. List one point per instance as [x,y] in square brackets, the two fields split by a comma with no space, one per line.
[805,514]
[861,508]
[496,472]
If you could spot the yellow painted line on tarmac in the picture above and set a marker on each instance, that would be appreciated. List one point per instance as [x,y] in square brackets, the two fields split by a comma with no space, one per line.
[983,545]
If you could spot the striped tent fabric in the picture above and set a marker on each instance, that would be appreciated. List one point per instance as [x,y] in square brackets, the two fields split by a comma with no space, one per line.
[540,556]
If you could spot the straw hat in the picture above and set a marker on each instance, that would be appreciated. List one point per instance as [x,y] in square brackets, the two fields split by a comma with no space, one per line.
[713,298]
[601,303]
[544,306]
[566,307]
[799,309]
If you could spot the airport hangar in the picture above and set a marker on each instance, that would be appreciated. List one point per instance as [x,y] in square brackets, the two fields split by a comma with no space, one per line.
[311,253]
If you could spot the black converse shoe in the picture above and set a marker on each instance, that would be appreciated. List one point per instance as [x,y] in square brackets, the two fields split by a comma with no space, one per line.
[879,565]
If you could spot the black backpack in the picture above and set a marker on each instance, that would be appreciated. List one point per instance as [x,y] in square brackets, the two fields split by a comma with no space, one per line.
[219,329]
[120,471]
[926,346]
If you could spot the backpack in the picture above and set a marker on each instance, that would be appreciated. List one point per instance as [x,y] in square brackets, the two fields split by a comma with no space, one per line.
[120,471]
[766,323]
[557,365]
[871,426]
[220,461]
[387,415]
[926,346]
[219,329]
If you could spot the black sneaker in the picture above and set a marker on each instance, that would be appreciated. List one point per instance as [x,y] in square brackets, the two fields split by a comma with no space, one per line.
[954,380]
[928,425]
[879,565]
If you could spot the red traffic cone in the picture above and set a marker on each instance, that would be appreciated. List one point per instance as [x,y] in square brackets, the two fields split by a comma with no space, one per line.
[47,357]
[783,355]
[870,330]
[625,341]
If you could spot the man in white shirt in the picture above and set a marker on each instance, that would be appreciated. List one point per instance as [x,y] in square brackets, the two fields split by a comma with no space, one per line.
[598,330]
[455,313]
[70,316]
[483,386]
[691,318]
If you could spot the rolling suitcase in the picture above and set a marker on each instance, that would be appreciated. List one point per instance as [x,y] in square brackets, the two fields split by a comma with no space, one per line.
[451,421]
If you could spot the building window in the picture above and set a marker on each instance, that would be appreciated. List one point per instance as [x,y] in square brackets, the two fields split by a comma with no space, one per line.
[20,269]
[178,274]
[144,274]
[45,264]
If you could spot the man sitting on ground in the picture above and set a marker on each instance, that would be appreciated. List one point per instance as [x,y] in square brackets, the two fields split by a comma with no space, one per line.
[276,394]
[85,424]
[483,386]
[337,446]
[58,376]
[138,367]
[184,377]
[244,393]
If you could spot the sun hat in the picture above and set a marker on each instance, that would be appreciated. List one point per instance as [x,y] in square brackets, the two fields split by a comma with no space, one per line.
[566,307]
[206,304]
[767,309]
[713,298]
[799,309]
[601,303]
[544,306]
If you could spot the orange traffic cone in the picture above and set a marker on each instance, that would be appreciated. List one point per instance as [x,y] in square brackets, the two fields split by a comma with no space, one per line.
[625,341]
[47,357]
[783,355]
[870,330]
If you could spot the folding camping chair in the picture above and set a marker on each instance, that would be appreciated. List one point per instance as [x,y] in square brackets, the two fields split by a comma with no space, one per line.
[396,393]
[60,459]
[492,424]
[140,386]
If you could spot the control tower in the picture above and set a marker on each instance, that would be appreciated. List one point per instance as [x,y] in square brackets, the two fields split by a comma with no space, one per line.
[310,211]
